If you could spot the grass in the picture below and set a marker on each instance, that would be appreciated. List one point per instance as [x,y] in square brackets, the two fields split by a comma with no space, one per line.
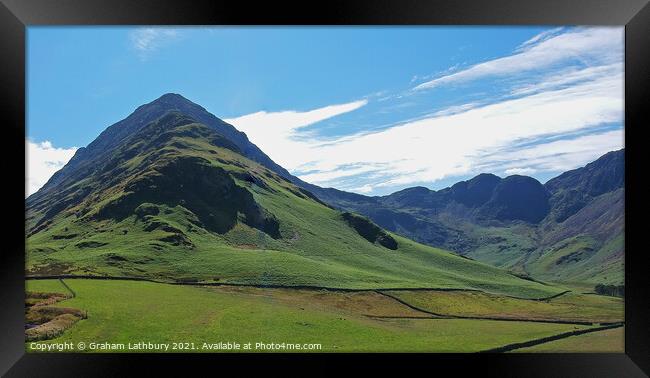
[582,260]
[130,312]
[608,341]
[316,246]
[501,246]
[565,250]
[568,307]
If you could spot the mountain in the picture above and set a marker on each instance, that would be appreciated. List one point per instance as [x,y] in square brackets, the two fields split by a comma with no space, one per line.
[86,158]
[174,193]
[439,217]
[485,197]
[573,190]
[570,229]
[582,237]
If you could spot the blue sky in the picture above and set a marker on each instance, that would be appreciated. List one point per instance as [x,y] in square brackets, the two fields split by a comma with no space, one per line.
[369,110]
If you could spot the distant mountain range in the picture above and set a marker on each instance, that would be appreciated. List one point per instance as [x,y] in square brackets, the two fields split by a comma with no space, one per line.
[570,229]
[172,177]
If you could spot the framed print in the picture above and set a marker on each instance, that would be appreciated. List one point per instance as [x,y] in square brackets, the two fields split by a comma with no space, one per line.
[434,183]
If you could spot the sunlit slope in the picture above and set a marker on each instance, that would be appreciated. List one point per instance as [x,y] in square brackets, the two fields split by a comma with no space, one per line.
[177,201]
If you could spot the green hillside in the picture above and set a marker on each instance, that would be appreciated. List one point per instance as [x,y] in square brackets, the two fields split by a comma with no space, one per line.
[178,201]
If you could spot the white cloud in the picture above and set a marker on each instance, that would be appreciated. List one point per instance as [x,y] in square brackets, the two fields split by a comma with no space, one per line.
[148,40]
[452,143]
[540,37]
[363,189]
[455,109]
[520,171]
[43,160]
[569,77]
[557,156]
[543,51]
[276,132]
[435,148]
[324,177]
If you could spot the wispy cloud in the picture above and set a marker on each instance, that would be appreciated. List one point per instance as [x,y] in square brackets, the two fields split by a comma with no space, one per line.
[43,160]
[557,156]
[520,171]
[147,40]
[277,132]
[434,148]
[540,37]
[544,51]
[568,77]
[456,141]
[455,109]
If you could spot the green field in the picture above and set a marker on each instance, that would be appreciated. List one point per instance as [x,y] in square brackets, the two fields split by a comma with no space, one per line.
[567,307]
[608,341]
[131,311]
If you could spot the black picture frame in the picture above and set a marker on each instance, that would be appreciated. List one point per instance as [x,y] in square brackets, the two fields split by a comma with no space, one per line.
[16,15]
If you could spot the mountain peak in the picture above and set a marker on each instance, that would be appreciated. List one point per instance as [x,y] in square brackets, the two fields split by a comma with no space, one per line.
[172,98]
[476,191]
[574,189]
[102,147]
[415,190]
[171,101]
[171,95]
[602,175]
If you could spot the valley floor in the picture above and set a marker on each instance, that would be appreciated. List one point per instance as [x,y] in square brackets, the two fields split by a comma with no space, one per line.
[607,341]
[186,318]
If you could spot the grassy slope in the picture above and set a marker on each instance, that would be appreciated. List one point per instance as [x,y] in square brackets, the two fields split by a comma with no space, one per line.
[171,313]
[579,259]
[585,248]
[592,263]
[316,248]
[502,246]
